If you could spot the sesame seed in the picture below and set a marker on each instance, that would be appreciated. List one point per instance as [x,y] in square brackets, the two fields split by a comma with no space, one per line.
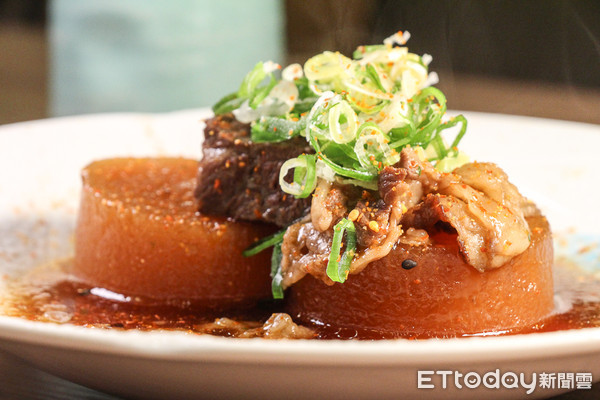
[374,226]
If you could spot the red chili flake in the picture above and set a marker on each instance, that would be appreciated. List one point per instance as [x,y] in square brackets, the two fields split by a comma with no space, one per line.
[217,183]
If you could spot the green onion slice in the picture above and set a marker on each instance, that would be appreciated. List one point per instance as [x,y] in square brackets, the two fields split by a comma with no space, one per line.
[365,108]
[356,114]
[342,132]
[305,176]
[251,81]
[372,73]
[353,173]
[261,93]
[362,50]
[338,267]
[228,104]
[276,129]
[459,119]
[377,152]
[276,276]
[264,243]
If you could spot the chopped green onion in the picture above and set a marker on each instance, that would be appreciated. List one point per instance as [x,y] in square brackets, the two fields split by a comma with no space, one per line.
[276,276]
[264,243]
[374,76]
[304,90]
[354,85]
[346,132]
[354,173]
[378,152]
[438,143]
[439,146]
[338,267]
[326,66]
[362,50]
[363,108]
[260,94]
[400,143]
[275,129]
[228,104]
[304,105]
[357,114]
[363,184]
[251,81]
[459,119]
[305,176]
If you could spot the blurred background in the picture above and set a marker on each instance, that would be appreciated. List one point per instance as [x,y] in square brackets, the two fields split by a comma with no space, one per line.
[67,57]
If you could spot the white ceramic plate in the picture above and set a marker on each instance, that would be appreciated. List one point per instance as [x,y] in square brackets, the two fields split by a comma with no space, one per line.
[552,162]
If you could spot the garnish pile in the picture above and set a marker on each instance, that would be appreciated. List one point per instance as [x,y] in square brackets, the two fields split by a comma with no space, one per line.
[357,114]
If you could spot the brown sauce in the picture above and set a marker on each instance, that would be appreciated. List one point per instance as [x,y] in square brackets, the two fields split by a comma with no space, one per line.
[48,294]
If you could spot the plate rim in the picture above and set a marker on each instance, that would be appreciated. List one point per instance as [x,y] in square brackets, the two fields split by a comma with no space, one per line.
[182,346]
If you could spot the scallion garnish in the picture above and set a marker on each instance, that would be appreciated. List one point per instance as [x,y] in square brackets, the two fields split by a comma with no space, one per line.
[274,129]
[264,243]
[338,267]
[276,276]
[305,176]
[374,76]
[228,104]
[251,81]
[357,115]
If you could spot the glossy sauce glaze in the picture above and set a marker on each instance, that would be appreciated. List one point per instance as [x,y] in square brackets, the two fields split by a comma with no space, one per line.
[48,294]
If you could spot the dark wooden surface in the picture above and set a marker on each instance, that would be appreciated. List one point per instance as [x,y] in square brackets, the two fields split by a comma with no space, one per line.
[21,381]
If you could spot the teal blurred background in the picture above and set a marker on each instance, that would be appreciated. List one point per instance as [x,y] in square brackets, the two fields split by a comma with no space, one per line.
[156,55]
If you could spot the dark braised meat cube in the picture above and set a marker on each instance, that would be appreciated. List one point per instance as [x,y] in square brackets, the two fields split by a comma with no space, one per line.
[240,179]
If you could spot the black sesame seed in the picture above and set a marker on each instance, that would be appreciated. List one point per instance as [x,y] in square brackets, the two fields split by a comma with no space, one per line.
[409,264]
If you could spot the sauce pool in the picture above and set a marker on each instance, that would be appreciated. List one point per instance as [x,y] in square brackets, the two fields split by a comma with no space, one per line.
[48,294]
